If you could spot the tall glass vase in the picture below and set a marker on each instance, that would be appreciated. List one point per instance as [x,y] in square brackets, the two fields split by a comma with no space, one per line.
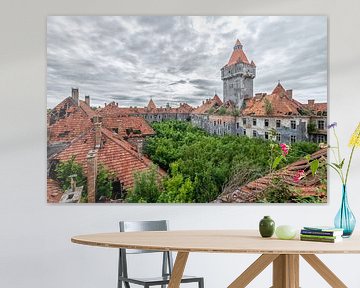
[345,219]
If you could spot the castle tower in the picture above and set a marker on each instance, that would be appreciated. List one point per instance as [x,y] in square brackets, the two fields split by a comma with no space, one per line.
[237,76]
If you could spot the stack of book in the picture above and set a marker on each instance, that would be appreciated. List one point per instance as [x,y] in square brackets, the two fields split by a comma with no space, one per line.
[321,234]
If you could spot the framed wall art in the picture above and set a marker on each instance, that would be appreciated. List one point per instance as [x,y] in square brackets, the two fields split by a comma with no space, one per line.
[178,109]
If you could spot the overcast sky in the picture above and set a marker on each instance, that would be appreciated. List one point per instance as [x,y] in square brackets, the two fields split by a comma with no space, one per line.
[128,59]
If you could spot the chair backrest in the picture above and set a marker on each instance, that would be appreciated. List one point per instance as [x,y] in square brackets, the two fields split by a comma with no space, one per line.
[137,226]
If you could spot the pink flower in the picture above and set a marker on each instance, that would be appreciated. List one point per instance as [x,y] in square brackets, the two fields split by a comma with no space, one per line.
[299,175]
[285,149]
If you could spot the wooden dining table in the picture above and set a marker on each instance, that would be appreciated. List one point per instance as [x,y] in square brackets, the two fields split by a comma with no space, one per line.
[283,254]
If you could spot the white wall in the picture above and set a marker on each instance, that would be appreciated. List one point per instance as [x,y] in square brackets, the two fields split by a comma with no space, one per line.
[35,248]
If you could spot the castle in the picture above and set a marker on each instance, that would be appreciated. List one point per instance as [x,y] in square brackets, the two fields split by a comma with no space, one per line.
[114,135]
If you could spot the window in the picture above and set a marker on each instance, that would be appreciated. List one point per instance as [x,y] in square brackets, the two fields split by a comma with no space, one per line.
[237,125]
[321,139]
[214,123]
[254,133]
[244,121]
[254,121]
[293,124]
[293,138]
[266,122]
[266,135]
[229,127]
[321,124]
[244,132]
[224,123]
[278,123]
[278,137]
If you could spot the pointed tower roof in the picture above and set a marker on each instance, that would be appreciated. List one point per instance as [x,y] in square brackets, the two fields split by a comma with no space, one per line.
[217,100]
[238,55]
[151,105]
[252,63]
[278,89]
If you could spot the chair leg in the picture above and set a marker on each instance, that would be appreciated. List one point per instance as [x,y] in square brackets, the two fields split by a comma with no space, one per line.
[201,283]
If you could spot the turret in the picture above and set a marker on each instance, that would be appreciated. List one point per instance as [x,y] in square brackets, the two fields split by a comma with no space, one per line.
[237,76]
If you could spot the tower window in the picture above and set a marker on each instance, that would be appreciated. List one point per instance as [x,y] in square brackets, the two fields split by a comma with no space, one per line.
[293,138]
[266,122]
[254,121]
[237,125]
[244,132]
[293,124]
[266,135]
[278,123]
[254,133]
[214,123]
[244,121]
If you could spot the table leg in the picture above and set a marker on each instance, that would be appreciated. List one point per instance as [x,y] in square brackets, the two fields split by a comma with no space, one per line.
[178,270]
[286,271]
[253,270]
[324,271]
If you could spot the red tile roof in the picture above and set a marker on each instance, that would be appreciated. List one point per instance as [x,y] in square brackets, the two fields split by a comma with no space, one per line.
[214,103]
[279,89]
[67,120]
[237,55]
[128,124]
[54,191]
[113,109]
[87,109]
[316,107]
[281,103]
[115,154]
[151,105]
[309,186]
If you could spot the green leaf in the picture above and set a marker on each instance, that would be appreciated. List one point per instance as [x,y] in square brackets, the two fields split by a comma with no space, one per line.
[307,157]
[342,163]
[314,166]
[276,162]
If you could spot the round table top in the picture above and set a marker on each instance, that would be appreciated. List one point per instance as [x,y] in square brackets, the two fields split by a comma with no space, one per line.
[220,241]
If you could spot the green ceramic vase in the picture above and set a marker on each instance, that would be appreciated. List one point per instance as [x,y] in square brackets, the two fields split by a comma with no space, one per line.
[267,227]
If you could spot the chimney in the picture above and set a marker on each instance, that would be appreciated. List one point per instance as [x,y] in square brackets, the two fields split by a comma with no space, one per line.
[87,100]
[120,127]
[97,134]
[139,146]
[73,182]
[75,95]
[289,93]
[311,102]
[91,160]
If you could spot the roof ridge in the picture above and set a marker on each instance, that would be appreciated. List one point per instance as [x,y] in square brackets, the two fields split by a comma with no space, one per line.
[124,145]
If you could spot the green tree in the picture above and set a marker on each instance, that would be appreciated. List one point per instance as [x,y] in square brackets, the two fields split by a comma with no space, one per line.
[199,165]
[67,168]
[146,187]
[269,109]
[104,180]
[222,111]
[176,188]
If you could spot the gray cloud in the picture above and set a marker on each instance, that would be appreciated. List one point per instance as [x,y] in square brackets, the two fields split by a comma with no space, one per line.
[178,59]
